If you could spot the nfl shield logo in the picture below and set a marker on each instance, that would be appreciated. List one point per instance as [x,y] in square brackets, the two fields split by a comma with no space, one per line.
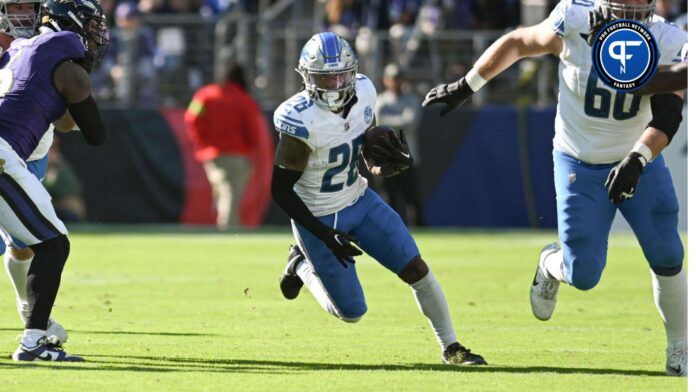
[368,115]
[571,177]
[346,127]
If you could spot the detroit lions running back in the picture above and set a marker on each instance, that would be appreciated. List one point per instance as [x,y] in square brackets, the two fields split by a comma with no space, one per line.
[316,182]
[604,139]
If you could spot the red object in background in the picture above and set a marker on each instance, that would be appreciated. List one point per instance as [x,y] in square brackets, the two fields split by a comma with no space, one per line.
[198,202]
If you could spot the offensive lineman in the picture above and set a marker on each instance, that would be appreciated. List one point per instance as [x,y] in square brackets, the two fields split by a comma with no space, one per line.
[610,142]
[46,74]
[18,19]
[316,182]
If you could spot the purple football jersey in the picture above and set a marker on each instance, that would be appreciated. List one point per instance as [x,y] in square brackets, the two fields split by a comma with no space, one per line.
[32,102]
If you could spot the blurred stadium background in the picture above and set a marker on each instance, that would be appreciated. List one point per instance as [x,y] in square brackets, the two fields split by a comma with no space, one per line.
[164,50]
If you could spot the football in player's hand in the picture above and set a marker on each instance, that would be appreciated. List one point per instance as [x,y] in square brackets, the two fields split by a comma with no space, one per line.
[375,136]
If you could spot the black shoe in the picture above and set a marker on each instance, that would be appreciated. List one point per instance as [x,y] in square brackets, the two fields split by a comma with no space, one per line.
[456,354]
[290,283]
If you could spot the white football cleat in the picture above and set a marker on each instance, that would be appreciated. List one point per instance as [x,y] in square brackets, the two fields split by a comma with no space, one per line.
[677,360]
[544,290]
[55,333]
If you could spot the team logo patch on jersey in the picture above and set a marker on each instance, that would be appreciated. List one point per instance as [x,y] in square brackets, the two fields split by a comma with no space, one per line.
[368,115]
[625,55]
[346,127]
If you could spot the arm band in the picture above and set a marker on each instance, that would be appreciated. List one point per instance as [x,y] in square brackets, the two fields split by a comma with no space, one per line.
[285,196]
[88,119]
[667,113]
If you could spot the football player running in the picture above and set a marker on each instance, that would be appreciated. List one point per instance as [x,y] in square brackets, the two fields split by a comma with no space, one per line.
[19,19]
[45,74]
[605,142]
[316,182]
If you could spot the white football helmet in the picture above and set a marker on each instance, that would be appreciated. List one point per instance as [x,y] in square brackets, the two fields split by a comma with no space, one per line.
[19,25]
[619,9]
[328,67]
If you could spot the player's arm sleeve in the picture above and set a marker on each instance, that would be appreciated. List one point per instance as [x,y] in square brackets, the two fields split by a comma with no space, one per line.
[284,195]
[88,118]
[667,113]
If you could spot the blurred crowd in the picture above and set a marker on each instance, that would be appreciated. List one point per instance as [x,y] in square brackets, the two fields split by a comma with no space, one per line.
[162,50]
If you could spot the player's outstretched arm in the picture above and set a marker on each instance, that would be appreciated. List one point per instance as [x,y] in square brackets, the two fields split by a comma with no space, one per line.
[74,85]
[524,42]
[623,178]
[291,160]
[667,79]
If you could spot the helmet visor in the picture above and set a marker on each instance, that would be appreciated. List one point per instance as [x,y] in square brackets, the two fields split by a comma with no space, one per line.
[332,81]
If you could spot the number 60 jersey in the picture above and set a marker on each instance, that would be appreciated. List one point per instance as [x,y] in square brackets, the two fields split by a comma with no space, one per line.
[595,123]
[331,181]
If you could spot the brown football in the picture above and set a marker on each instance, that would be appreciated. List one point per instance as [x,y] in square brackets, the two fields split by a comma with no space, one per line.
[373,135]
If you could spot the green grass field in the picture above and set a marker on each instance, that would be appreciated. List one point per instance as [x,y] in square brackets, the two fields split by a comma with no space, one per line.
[177,311]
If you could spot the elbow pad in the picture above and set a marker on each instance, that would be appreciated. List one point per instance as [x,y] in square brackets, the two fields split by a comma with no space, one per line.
[667,113]
[88,119]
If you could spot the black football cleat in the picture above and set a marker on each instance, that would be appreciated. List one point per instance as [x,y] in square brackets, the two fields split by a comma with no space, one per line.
[456,354]
[290,283]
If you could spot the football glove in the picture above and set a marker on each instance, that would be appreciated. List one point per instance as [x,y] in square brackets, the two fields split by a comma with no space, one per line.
[342,245]
[452,95]
[623,178]
[392,154]
[598,17]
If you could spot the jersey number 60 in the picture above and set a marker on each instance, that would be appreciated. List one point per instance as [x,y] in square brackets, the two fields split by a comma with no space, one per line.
[593,90]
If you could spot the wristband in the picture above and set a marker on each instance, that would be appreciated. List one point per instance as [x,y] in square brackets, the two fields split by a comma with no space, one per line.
[475,80]
[643,150]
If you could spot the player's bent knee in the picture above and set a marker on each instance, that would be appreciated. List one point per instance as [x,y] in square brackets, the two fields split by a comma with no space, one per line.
[351,320]
[58,248]
[584,279]
[414,271]
[22,253]
[668,263]
[353,312]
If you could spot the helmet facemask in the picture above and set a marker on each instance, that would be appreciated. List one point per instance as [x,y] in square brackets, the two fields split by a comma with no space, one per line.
[642,13]
[19,24]
[332,90]
[328,68]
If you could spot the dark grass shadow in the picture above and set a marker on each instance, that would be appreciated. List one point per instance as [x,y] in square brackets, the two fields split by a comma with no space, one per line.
[19,330]
[270,366]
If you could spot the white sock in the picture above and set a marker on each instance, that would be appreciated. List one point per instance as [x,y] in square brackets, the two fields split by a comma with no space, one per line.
[31,337]
[553,264]
[18,271]
[305,271]
[431,301]
[670,294]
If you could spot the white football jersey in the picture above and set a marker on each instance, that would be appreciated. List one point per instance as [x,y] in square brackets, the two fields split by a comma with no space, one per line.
[331,181]
[44,145]
[595,123]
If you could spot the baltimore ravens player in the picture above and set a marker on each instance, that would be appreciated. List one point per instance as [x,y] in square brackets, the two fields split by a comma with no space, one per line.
[47,74]
[604,138]
[316,182]
[18,19]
